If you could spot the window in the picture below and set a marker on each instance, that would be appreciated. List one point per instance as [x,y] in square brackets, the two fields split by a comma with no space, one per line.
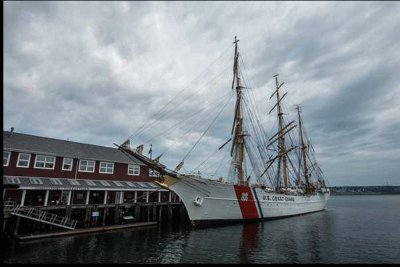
[55,181]
[106,167]
[67,164]
[86,165]
[45,162]
[118,183]
[23,160]
[35,181]
[105,183]
[73,182]
[153,173]
[134,170]
[6,157]
[89,182]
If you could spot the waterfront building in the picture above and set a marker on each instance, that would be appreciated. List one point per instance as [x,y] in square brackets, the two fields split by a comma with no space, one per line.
[94,185]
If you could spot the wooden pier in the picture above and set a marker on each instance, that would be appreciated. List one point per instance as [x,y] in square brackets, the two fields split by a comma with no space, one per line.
[91,218]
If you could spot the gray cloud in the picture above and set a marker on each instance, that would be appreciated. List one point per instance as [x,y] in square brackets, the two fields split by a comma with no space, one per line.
[96,71]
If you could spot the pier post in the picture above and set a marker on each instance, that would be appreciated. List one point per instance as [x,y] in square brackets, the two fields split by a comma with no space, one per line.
[46,198]
[16,226]
[104,215]
[169,211]
[116,214]
[154,211]
[4,224]
[160,213]
[69,197]
[94,219]
[68,211]
[23,197]
[182,212]
[105,197]
[121,198]
[87,216]
[87,197]
[137,211]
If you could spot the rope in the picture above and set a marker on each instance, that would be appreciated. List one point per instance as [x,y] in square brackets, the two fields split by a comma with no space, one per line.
[145,125]
[179,122]
[206,130]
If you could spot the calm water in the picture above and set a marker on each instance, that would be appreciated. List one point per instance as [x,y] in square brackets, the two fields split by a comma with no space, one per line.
[352,229]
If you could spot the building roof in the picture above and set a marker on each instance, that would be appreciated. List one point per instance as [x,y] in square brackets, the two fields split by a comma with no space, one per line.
[63,148]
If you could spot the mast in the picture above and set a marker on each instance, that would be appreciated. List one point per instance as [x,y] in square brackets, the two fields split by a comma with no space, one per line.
[303,150]
[281,141]
[237,130]
[280,137]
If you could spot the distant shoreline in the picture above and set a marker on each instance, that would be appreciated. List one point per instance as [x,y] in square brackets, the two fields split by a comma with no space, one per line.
[365,190]
[364,193]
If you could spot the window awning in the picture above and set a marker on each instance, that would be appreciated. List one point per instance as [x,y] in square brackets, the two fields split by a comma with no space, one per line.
[48,183]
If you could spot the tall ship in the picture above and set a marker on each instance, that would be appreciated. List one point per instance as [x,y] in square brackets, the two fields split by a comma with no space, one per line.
[268,176]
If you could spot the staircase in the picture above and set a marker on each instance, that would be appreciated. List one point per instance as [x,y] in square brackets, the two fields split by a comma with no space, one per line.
[44,217]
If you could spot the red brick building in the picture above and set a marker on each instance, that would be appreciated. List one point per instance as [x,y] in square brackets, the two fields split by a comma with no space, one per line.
[41,171]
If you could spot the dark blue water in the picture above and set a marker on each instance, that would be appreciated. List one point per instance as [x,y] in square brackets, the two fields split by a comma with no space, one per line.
[352,229]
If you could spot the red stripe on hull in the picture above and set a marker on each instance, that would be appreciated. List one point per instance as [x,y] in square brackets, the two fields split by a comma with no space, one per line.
[246,202]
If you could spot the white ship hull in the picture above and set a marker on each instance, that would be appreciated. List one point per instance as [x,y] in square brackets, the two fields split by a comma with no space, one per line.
[211,201]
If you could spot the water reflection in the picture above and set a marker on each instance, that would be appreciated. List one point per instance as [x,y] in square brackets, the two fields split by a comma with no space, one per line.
[296,239]
[249,242]
[291,240]
[212,245]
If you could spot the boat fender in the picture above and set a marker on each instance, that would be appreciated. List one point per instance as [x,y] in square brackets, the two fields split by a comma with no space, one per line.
[198,200]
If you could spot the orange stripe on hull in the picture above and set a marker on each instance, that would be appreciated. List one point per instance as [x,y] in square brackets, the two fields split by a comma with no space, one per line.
[246,202]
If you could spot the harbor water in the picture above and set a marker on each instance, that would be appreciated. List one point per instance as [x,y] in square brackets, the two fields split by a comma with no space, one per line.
[352,229]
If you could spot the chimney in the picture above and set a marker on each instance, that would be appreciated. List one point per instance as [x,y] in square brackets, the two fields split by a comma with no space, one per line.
[12,131]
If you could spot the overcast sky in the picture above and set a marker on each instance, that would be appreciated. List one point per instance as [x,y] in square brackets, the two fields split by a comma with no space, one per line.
[95,72]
